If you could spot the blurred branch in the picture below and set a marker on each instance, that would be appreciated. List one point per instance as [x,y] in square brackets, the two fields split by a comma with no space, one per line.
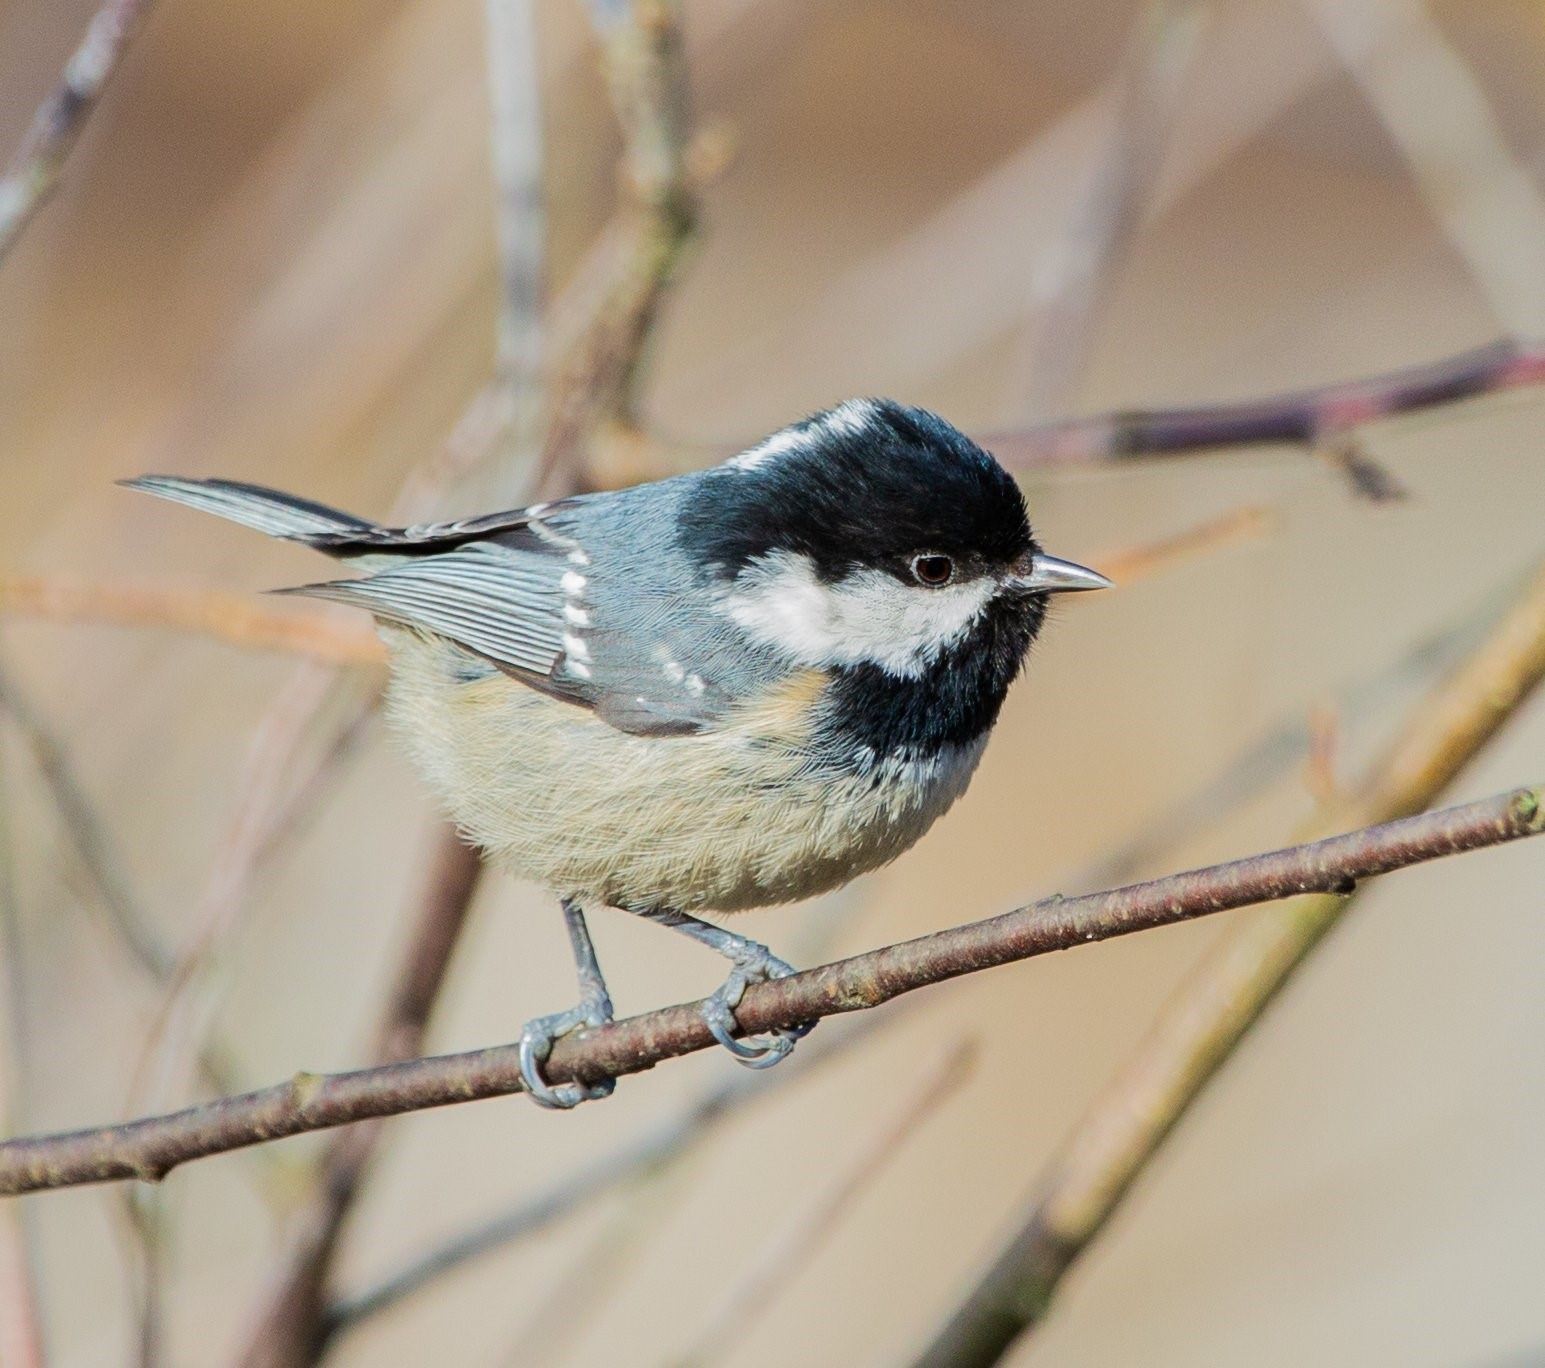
[1272,753]
[236,619]
[292,1327]
[1436,113]
[791,1250]
[1134,563]
[515,141]
[639,1160]
[140,1224]
[1310,417]
[1075,278]
[647,78]
[33,171]
[87,832]
[150,1148]
[21,1321]
[645,62]
[1216,1005]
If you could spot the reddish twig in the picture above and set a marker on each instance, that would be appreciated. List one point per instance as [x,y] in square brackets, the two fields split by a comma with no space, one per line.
[1310,417]
[33,172]
[149,1149]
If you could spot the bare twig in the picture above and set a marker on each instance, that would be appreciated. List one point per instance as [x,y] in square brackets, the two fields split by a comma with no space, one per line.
[87,832]
[1214,1008]
[1144,96]
[791,1249]
[1311,417]
[1478,191]
[1134,563]
[33,172]
[292,1327]
[238,619]
[149,1149]
[645,65]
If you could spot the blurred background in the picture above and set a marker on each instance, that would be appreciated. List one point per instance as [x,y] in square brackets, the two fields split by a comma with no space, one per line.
[275,255]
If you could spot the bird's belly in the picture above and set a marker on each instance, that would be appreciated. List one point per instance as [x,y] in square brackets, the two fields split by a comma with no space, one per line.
[719,821]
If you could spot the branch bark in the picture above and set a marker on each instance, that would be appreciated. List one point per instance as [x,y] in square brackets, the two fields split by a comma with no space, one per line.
[150,1148]
[1214,1008]
[1314,417]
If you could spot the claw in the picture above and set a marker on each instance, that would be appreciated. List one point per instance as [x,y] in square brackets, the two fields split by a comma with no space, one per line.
[755,1052]
[536,1044]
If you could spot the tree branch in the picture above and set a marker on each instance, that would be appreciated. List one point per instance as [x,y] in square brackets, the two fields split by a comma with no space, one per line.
[1310,417]
[1213,1010]
[33,172]
[151,1148]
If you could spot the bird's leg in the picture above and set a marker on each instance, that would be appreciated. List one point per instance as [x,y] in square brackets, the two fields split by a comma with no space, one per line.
[593,1009]
[754,963]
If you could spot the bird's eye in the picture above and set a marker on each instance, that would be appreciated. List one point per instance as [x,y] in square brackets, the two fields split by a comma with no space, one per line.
[933,572]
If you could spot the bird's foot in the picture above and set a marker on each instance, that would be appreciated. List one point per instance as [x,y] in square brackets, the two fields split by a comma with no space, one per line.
[536,1043]
[754,963]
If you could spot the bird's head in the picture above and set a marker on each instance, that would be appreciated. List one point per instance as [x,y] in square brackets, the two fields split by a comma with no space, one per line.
[874,534]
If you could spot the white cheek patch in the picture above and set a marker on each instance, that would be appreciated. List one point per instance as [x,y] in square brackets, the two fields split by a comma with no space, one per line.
[868,617]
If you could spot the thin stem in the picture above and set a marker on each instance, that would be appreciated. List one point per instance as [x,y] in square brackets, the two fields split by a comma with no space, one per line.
[33,172]
[1307,417]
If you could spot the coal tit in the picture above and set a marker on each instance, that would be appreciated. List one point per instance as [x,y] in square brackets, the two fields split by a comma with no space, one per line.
[718,691]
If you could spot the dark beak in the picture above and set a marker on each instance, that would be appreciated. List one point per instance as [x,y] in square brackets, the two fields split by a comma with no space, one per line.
[1051,575]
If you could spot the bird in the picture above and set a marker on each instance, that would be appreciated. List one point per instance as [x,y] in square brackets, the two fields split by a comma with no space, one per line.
[722,690]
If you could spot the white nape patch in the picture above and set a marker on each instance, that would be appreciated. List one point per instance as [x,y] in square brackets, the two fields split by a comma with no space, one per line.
[778,444]
[852,418]
[867,617]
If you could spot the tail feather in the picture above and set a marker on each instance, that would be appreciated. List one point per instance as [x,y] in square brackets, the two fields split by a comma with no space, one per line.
[267,510]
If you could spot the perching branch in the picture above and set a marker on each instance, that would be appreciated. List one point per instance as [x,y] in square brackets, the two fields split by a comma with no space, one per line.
[33,172]
[150,1148]
[1309,417]
[1213,1010]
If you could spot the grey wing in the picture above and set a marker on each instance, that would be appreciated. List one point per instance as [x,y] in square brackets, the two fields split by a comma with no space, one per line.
[527,608]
